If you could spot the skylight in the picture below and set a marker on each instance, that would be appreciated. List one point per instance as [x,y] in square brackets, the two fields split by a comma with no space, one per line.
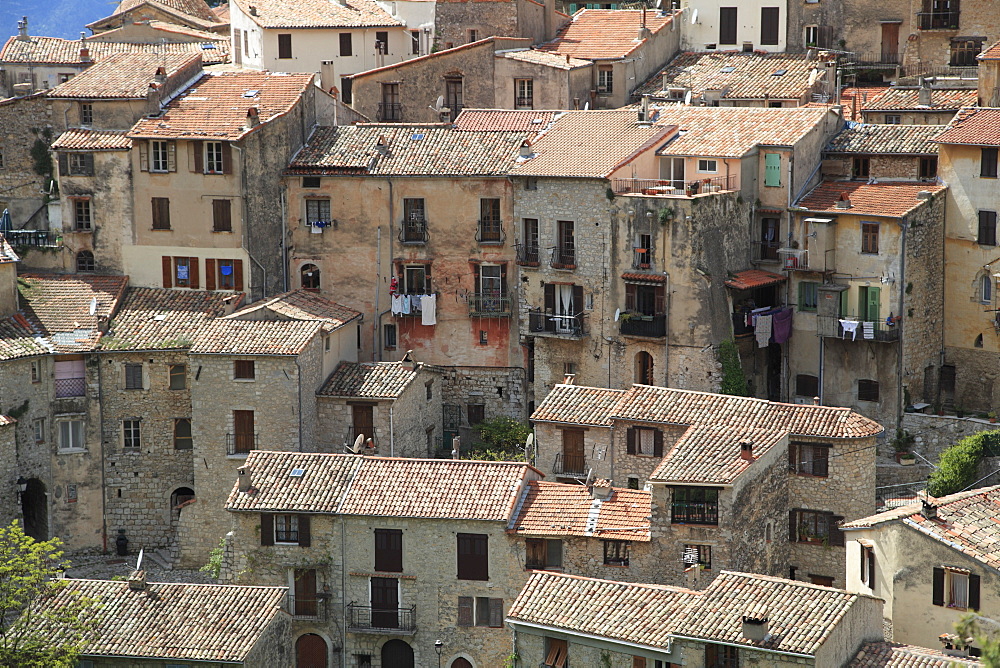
[727,69]
[779,73]
[251,93]
[297,473]
[417,136]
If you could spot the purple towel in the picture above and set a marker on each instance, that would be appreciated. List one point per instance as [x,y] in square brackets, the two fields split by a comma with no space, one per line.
[781,325]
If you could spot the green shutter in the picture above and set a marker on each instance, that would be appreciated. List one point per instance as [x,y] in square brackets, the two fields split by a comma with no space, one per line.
[843,303]
[873,304]
[772,169]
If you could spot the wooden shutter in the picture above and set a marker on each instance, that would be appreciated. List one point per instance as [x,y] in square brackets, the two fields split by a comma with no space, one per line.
[198,150]
[171,156]
[496,611]
[772,169]
[476,285]
[209,274]
[577,299]
[630,296]
[88,164]
[825,35]
[861,562]
[63,164]
[238,275]
[660,294]
[872,311]
[792,529]
[227,158]
[630,441]
[503,280]
[937,591]
[144,156]
[534,550]
[222,219]
[657,443]
[793,464]
[727,25]
[389,550]
[464,611]
[973,592]
[193,263]
[769,25]
[266,529]
[821,461]
[549,306]
[836,535]
[305,531]
[168,270]
[871,568]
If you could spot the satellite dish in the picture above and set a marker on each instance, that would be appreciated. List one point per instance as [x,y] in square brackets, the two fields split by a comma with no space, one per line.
[358,443]
[93,305]
[659,4]
[618,314]
[586,106]
[687,98]
[590,478]
[694,17]
[438,105]
[138,564]
[530,441]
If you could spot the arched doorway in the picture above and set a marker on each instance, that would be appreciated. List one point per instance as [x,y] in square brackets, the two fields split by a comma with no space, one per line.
[644,368]
[397,654]
[35,507]
[461,662]
[310,651]
[178,498]
[310,276]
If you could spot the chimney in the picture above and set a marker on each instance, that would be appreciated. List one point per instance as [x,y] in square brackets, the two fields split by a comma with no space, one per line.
[22,29]
[844,202]
[569,379]
[924,94]
[243,479]
[84,54]
[644,110]
[231,303]
[601,489]
[253,119]
[137,581]
[755,627]
[665,81]
[383,145]
[746,451]
[525,150]
[928,509]
[815,401]
[161,75]
[456,447]
[253,10]
[924,194]
[408,362]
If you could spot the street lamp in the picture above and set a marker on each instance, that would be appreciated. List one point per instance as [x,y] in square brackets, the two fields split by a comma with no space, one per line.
[22,487]
[438,646]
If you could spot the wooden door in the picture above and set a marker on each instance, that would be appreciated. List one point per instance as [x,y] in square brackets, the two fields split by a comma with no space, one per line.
[573,459]
[305,592]
[890,42]
[453,96]
[397,654]
[363,419]
[385,603]
[310,651]
[243,436]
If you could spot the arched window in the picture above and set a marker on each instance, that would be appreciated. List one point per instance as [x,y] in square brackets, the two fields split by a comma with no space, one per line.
[310,277]
[461,662]
[85,261]
[986,289]
[644,368]
[978,343]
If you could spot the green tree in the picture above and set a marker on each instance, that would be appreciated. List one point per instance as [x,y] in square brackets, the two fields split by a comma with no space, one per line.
[34,635]
[500,439]
[988,643]
[958,467]
[733,380]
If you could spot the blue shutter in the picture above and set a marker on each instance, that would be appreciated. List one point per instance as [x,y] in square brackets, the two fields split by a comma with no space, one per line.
[772,169]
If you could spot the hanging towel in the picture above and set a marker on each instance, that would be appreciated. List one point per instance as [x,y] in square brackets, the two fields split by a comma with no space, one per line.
[781,323]
[762,331]
[869,330]
[406,304]
[429,315]
[397,304]
[415,303]
[850,326]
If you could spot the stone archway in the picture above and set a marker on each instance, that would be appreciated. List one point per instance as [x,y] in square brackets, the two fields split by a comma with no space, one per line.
[310,651]
[397,654]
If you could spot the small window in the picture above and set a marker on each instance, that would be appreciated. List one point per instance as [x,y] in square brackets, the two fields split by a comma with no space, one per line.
[473,35]
[161,213]
[633,482]
[869,238]
[284,45]
[809,459]
[821,580]
[928,167]
[815,526]
[226,278]
[389,336]
[81,164]
[311,182]
[955,588]
[381,42]
[363,660]
[38,427]
[85,261]
[867,390]
[214,163]
[808,295]
[524,93]
[286,528]
[811,35]
[81,214]
[708,166]
[36,372]
[484,337]
[159,156]
[429,390]
[964,51]
[986,289]
[346,44]
[86,113]
[605,79]
[861,168]
[893,119]
[988,162]
[415,42]
[476,414]
[133,376]
[131,433]
[543,553]
[244,370]
[806,385]
[182,434]
[183,271]
[987,228]
[178,376]
[473,556]
[616,552]
[556,653]
[695,505]
[71,435]
[318,212]
[698,554]
[867,565]
[222,217]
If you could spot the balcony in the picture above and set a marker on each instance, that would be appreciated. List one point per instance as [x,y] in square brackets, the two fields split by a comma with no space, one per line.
[489,306]
[642,258]
[793,258]
[490,231]
[569,326]
[308,607]
[527,255]
[870,59]
[872,330]
[36,238]
[694,512]
[563,257]
[765,251]
[938,20]
[241,444]
[413,232]
[366,619]
[571,465]
[652,326]
[675,188]
[390,111]
[70,387]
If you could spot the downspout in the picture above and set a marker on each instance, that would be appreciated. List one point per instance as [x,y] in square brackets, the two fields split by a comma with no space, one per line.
[377,325]
[343,593]
[104,489]
[612,448]
[392,435]
[788,211]
[902,340]
[284,246]
[299,367]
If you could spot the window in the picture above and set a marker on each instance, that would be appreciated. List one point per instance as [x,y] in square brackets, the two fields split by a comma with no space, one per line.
[566,249]
[964,51]
[727,25]
[543,553]
[869,238]
[228,275]
[633,482]
[222,220]
[178,376]
[815,526]
[988,162]
[708,166]
[476,413]
[489,220]
[185,272]
[389,550]
[38,427]
[473,35]
[389,336]
[363,660]
[182,434]
[867,564]
[309,275]
[809,459]
[305,602]
[390,109]
[346,83]
[345,44]
[524,95]
[243,370]
[772,170]
[161,213]
[86,113]
[867,390]
[81,164]
[769,17]
[415,42]
[806,385]
[695,505]
[133,376]
[85,261]
[808,295]
[893,119]
[286,528]
[928,167]
[861,167]
[82,219]
[556,653]
[616,552]
[71,435]
[644,441]
[811,35]
[159,156]
[317,211]
[986,289]
[311,182]
[214,163]
[821,580]
[698,554]
[605,79]
[381,42]
[36,372]
[284,45]
[473,559]
[429,390]
[131,434]
[955,588]
[987,228]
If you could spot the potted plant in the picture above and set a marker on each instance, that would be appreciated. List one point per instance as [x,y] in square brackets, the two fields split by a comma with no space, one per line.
[907,459]
[992,416]
[901,444]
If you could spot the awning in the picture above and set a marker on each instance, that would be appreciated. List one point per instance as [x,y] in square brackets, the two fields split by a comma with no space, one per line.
[645,278]
[819,220]
[754,278]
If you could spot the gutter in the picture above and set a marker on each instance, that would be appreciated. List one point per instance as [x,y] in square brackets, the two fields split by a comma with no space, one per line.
[515,623]
[754,648]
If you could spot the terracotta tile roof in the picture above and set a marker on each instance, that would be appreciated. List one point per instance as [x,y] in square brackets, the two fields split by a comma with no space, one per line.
[604,33]
[19,339]
[754,278]
[854,99]
[978,127]
[317,14]
[557,509]
[577,404]
[646,403]
[123,75]
[990,53]
[876,199]
[6,420]
[216,105]
[58,306]
[896,655]
[185,622]
[161,26]
[904,99]
[887,139]
[222,12]
[800,615]
[645,614]
[559,61]
[732,132]
[710,454]
[7,254]
[156,319]
[378,380]
[196,8]
[504,120]
[92,140]
[412,150]
[493,43]
[906,510]
[58,51]
[300,305]
[589,144]
[381,486]
[644,278]
[752,75]
[254,337]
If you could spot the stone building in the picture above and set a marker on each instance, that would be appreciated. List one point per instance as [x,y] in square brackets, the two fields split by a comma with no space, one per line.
[192,14]
[27,129]
[917,105]
[458,22]
[968,151]
[989,77]
[763,498]
[384,556]
[882,152]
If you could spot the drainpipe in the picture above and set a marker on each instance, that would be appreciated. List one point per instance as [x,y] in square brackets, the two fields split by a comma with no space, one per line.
[246,232]
[611,446]
[299,367]
[791,217]
[376,348]
[343,594]
[392,435]
[284,246]
[901,288]
[104,488]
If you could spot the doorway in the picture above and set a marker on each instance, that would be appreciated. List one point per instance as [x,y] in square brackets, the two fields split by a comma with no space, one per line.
[397,654]
[310,651]
[35,507]
[890,42]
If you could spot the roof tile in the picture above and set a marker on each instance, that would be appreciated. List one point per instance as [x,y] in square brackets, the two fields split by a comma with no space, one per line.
[557,509]
[155,318]
[299,305]
[869,199]
[58,306]
[317,14]
[123,75]
[978,127]
[92,140]
[58,51]
[754,278]
[254,337]
[504,120]
[377,380]
[905,99]
[711,454]
[890,139]
[577,404]
[896,655]
[605,33]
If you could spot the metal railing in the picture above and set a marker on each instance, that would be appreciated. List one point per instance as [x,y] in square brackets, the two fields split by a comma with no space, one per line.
[489,306]
[31,237]
[365,618]
[527,254]
[694,512]
[794,258]
[390,111]
[676,188]
[765,251]
[874,58]
[490,231]
[562,325]
[563,257]
[654,326]
[308,607]
[71,387]
[565,464]
[939,20]
[524,102]
[413,231]
[642,258]
[870,330]
[241,444]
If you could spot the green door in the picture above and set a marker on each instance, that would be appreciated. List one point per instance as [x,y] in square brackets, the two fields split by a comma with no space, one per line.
[868,304]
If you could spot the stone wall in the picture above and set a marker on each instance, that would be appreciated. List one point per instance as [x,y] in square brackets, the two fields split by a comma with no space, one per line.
[453,19]
[273,648]
[10,506]
[500,390]
[22,122]
[533,648]
[933,434]
[597,448]
[977,372]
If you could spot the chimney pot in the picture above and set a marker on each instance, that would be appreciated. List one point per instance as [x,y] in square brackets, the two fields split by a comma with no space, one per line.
[815,401]
[245,484]
[928,509]
[746,451]
[569,379]
[137,581]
